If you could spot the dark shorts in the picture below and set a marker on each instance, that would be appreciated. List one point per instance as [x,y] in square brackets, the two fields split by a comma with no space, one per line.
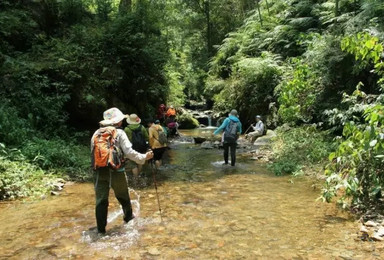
[158,153]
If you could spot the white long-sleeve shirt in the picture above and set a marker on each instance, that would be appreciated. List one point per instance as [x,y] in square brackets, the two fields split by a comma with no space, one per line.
[123,143]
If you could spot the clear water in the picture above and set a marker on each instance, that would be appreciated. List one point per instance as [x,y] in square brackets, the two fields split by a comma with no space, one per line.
[209,211]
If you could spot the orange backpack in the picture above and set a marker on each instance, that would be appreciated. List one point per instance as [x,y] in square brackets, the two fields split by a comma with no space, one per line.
[104,152]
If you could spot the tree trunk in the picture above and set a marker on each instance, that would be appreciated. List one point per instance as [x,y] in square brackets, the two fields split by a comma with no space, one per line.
[269,13]
[337,7]
[258,9]
[209,27]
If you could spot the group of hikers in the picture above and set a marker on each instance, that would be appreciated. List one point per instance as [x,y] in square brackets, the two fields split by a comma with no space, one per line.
[111,146]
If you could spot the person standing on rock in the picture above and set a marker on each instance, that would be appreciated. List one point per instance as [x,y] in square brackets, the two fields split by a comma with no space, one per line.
[258,130]
[231,128]
[109,146]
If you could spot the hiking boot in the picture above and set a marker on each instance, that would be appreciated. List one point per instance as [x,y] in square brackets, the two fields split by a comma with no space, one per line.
[101,231]
[126,220]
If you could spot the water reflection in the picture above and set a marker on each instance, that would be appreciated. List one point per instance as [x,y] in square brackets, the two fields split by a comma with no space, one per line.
[210,211]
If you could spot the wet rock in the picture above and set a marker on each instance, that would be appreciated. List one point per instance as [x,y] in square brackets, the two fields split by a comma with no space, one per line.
[376,237]
[380,232]
[207,145]
[370,223]
[58,186]
[153,251]
[363,229]
[199,140]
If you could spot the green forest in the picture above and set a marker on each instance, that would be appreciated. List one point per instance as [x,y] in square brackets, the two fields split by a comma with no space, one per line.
[312,68]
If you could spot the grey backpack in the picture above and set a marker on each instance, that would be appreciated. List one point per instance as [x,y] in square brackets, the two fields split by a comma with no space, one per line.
[230,133]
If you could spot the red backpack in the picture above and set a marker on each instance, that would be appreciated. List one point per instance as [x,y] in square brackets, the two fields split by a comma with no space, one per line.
[105,152]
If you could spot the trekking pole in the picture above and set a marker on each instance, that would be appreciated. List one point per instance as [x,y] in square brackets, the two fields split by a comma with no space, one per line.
[154,181]
[248,129]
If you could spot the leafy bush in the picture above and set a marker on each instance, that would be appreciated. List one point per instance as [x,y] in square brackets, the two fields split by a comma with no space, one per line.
[13,128]
[297,95]
[300,147]
[58,154]
[20,179]
[355,171]
[250,87]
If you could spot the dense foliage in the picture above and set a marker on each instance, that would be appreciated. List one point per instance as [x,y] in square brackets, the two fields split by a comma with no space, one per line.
[312,62]
[356,167]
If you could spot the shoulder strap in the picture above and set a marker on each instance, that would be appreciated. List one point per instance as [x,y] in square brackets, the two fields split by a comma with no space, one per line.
[137,129]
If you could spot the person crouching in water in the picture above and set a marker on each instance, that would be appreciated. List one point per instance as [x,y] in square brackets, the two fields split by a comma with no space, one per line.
[138,136]
[258,130]
[156,141]
[232,128]
[109,146]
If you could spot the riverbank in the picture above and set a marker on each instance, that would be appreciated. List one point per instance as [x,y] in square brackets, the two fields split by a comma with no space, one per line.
[304,151]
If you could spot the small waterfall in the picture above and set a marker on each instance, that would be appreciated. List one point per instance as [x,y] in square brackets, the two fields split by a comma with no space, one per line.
[209,120]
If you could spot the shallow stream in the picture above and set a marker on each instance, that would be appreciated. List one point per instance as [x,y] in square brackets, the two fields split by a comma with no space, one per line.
[209,211]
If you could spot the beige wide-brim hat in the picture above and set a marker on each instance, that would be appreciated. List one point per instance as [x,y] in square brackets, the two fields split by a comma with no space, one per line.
[112,116]
[133,119]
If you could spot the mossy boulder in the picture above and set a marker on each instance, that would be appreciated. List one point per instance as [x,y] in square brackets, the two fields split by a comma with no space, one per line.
[187,121]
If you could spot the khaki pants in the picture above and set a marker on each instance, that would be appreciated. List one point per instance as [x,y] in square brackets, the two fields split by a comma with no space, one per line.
[253,135]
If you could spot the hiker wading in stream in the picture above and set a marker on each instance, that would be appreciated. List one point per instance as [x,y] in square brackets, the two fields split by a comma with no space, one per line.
[138,135]
[157,141]
[109,146]
[231,127]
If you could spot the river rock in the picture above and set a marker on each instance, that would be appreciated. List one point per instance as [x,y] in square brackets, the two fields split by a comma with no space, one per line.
[58,186]
[199,140]
[363,229]
[207,145]
[153,251]
[265,140]
[370,223]
[376,237]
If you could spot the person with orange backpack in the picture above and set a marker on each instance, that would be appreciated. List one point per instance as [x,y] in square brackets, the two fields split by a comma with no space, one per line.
[171,112]
[110,146]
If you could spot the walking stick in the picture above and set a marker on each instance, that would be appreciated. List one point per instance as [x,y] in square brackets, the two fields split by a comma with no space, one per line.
[248,129]
[154,181]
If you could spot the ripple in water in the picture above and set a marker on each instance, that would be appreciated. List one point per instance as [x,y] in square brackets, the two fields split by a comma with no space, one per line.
[119,237]
[220,164]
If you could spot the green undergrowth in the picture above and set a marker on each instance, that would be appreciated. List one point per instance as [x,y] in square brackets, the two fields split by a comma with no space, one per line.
[31,171]
[299,150]
[20,179]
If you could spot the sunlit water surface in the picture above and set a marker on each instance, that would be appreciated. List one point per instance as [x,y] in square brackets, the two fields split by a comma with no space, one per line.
[209,211]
